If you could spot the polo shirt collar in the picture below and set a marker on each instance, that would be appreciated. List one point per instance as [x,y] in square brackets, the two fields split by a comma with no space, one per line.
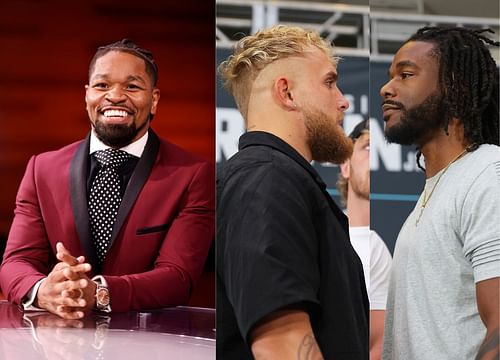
[253,138]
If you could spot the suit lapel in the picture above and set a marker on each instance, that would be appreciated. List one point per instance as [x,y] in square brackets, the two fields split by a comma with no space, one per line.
[139,177]
[78,194]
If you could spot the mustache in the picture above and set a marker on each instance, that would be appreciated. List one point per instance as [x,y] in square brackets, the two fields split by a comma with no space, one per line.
[108,104]
[394,103]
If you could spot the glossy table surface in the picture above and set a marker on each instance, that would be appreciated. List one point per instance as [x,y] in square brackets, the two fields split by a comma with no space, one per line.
[172,333]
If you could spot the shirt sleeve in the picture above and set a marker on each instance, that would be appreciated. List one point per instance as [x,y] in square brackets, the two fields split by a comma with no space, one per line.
[30,297]
[269,252]
[480,219]
[380,271]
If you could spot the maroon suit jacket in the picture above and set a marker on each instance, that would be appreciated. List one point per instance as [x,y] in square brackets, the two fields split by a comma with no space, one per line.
[159,243]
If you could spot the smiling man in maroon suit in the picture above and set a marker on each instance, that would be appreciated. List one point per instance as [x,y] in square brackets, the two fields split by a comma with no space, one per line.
[130,217]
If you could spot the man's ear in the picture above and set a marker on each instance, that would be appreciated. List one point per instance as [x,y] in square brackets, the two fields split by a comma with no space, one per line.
[282,94]
[155,97]
[86,92]
[345,169]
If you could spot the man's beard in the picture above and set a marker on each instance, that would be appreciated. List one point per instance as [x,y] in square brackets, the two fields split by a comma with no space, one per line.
[360,185]
[417,122]
[327,141]
[117,135]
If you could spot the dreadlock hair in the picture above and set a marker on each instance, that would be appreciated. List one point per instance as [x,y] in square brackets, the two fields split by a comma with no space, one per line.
[128,46]
[468,78]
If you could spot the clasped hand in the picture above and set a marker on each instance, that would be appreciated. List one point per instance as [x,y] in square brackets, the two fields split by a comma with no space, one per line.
[67,291]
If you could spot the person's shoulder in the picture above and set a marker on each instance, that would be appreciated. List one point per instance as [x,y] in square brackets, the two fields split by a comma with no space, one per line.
[173,154]
[380,256]
[261,164]
[62,154]
[484,162]
[375,236]
[484,156]
[265,157]
[251,155]
[489,151]
[377,244]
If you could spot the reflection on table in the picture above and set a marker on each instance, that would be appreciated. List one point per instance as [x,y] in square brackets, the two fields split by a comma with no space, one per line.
[172,333]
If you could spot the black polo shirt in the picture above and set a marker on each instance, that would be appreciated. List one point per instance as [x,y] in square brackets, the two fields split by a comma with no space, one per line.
[281,241]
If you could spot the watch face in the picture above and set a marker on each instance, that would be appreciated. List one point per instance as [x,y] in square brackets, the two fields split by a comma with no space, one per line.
[103,297]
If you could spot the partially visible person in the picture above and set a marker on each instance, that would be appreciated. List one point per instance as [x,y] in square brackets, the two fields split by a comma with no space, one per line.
[121,220]
[354,189]
[443,96]
[289,283]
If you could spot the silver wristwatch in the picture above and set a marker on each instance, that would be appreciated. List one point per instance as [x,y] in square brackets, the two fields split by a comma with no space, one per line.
[102,299]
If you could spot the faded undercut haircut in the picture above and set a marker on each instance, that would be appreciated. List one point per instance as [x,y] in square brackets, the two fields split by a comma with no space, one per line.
[253,53]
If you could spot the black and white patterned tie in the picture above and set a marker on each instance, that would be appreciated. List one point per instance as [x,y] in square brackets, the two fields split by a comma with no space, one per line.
[105,198]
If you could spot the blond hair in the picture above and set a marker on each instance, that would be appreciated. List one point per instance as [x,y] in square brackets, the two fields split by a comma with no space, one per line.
[342,183]
[253,53]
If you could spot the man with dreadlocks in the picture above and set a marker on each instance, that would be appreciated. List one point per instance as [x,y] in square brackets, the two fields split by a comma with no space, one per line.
[138,210]
[442,96]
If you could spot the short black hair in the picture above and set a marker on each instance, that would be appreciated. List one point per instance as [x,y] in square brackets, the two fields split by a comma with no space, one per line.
[468,78]
[128,46]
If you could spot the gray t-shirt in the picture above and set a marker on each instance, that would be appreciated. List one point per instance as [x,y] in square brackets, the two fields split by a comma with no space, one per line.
[431,310]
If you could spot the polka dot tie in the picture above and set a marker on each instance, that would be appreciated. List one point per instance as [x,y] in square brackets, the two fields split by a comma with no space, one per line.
[105,198]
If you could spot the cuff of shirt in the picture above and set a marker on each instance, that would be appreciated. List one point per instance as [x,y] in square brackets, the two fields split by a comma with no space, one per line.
[30,297]
[100,280]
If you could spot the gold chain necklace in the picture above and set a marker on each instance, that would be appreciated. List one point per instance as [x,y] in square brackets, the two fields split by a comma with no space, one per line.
[426,199]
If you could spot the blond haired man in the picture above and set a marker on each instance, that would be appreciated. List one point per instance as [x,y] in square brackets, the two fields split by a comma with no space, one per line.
[354,189]
[290,285]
